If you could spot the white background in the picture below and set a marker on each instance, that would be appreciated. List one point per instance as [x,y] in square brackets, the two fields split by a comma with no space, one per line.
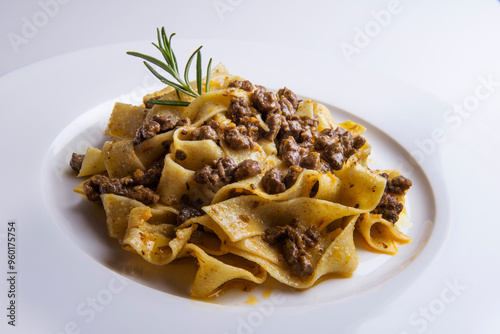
[447,48]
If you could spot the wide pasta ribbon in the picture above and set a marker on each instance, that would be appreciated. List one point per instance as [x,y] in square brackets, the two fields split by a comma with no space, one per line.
[195,153]
[380,234]
[118,210]
[247,216]
[214,273]
[158,244]
[177,181]
[339,256]
[310,183]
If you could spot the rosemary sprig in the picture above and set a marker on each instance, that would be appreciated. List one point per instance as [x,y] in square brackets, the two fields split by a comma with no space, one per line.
[170,65]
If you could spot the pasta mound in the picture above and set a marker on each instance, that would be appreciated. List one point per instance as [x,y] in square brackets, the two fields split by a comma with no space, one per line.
[247,181]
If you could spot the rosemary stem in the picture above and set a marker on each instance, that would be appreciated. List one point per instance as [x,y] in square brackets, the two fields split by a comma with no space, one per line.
[183,85]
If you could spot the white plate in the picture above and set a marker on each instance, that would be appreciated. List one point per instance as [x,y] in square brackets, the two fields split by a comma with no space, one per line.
[70,89]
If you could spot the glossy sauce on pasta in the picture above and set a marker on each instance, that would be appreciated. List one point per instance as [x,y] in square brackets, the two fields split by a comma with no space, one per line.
[248,182]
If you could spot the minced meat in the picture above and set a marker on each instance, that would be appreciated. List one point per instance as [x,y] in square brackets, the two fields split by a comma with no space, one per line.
[273,122]
[291,153]
[204,132]
[152,175]
[272,182]
[244,85]
[222,170]
[290,96]
[292,176]
[76,161]
[187,212]
[389,207]
[264,101]
[235,139]
[293,242]
[311,161]
[247,168]
[397,185]
[146,131]
[166,123]
[239,109]
[100,184]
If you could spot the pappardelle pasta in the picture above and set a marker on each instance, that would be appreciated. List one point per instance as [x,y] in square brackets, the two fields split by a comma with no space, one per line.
[247,181]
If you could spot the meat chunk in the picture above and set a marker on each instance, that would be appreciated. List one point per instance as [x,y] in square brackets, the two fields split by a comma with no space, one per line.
[158,124]
[290,96]
[347,140]
[311,161]
[143,194]
[222,170]
[100,184]
[225,170]
[187,212]
[294,241]
[238,109]
[244,85]
[91,187]
[247,168]
[264,101]
[225,167]
[76,161]
[273,122]
[166,123]
[292,128]
[249,128]
[302,129]
[334,154]
[291,153]
[397,185]
[183,122]
[359,142]
[336,146]
[389,207]
[292,176]
[236,140]
[204,132]
[214,125]
[272,182]
[207,175]
[111,186]
[325,139]
[286,108]
[151,177]
[146,131]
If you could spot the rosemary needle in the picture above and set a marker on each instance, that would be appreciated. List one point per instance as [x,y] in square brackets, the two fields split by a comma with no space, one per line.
[180,84]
